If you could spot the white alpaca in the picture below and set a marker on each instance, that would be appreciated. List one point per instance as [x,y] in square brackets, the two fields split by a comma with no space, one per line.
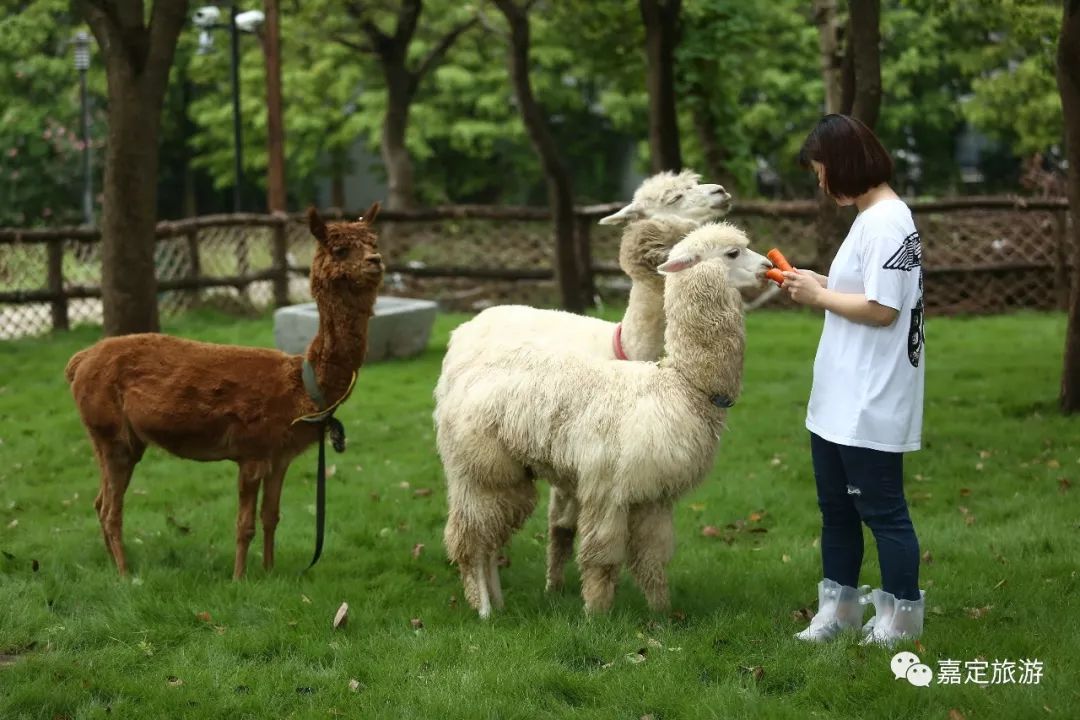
[622,438]
[663,210]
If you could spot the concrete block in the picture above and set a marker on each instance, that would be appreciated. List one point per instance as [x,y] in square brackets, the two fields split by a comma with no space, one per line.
[400,327]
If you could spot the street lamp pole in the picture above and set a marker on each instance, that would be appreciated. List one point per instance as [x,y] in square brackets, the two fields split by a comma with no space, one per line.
[238,144]
[82,64]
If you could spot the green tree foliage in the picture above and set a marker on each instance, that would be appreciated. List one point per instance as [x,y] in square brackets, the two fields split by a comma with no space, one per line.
[40,144]
[751,70]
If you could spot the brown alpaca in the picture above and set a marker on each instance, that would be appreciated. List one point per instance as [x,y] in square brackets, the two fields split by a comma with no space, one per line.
[203,401]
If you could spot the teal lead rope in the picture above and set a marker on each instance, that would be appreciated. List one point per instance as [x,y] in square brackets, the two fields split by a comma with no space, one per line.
[325,419]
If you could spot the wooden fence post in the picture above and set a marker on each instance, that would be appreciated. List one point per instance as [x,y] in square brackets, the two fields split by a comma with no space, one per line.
[583,243]
[55,249]
[194,264]
[280,250]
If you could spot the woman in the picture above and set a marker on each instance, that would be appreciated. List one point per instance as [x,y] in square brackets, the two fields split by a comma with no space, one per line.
[865,407]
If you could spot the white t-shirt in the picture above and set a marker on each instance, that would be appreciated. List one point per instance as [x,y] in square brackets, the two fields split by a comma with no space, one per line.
[868,380]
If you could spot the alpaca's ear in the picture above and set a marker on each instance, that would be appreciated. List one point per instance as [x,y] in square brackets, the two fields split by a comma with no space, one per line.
[372,212]
[678,264]
[316,224]
[627,214]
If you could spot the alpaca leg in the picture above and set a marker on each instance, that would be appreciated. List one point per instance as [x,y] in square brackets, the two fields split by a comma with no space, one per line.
[601,553]
[245,515]
[651,545]
[562,524]
[485,506]
[117,464]
[99,502]
[494,586]
[271,506]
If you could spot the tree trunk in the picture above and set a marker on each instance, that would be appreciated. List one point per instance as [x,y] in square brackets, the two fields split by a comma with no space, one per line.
[395,156]
[137,62]
[1068,78]
[832,56]
[864,46]
[661,18]
[560,194]
[712,148]
[853,81]
[276,197]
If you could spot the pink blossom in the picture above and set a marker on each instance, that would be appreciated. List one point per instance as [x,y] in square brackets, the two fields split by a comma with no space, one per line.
[13,152]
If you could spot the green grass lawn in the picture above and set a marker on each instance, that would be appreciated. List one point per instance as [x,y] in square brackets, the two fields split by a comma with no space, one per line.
[990,496]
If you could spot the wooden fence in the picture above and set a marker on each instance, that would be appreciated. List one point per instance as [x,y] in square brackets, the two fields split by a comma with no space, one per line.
[981,255]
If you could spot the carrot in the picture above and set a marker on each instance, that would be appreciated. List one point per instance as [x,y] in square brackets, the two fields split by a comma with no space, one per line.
[775,275]
[779,260]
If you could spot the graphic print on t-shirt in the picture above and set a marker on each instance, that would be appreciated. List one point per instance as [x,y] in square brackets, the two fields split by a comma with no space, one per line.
[907,258]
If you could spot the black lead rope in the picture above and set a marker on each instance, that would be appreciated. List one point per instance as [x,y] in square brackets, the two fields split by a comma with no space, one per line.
[337,439]
[324,418]
[320,499]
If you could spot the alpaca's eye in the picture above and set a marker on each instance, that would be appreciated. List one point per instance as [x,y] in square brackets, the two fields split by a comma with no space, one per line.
[732,254]
[340,252]
[675,199]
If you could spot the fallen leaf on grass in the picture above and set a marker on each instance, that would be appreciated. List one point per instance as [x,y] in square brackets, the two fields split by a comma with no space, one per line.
[697,507]
[710,531]
[976,613]
[637,657]
[1064,484]
[342,616]
[785,558]
[404,485]
[757,672]
[13,524]
[422,492]
[1001,582]
[219,629]
[919,646]
[417,549]
[173,681]
[354,685]
[1054,464]
[204,616]
[978,466]
[965,492]
[416,623]
[757,515]
[305,599]
[984,454]
[927,558]
[802,614]
[955,714]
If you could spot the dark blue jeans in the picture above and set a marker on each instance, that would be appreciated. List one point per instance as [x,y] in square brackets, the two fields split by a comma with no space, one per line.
[859,485]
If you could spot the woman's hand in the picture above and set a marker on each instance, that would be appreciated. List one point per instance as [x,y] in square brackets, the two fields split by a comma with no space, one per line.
[804,288]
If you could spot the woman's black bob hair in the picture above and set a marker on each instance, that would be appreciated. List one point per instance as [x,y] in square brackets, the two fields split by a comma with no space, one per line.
[853,157]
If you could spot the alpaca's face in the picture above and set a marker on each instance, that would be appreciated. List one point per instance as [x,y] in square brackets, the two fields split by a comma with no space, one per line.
[723,242]
[680,195]
[350,253]
[346,252]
